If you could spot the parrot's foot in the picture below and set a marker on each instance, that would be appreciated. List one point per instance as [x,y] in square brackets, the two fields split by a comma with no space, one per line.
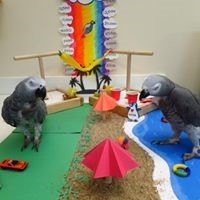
[168,141]
[195,153]
[36,143]
[27,141]
[132,120]
[187,156]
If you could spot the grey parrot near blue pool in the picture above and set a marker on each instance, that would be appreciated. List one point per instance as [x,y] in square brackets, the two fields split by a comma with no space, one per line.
[25,108]
[179,105]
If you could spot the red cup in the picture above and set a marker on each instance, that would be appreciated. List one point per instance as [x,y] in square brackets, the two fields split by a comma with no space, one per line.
[115,93]
[132,96]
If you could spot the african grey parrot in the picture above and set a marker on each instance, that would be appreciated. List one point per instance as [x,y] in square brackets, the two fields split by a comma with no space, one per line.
[180,107]
[25,108]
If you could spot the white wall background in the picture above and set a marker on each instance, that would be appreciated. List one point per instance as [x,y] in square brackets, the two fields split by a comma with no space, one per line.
[169,28]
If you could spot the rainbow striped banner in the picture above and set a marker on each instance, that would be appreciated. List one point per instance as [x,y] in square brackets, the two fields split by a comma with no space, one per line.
[88,21]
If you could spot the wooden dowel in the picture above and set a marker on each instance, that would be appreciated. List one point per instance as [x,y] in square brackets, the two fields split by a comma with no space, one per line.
[42,74]
[140,53]
[128,53]
[54,53]
[128,72]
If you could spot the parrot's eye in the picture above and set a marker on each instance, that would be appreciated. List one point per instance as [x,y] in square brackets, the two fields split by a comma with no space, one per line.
[31,83]
[156,87]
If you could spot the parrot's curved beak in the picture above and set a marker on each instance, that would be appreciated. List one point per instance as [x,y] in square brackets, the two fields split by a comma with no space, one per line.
[41,92]
[143,94]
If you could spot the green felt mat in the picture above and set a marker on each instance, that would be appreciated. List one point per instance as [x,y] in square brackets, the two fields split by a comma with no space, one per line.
[44,176]
[68,121]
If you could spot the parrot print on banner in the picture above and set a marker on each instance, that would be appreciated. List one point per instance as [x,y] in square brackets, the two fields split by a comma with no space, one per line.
[89,30]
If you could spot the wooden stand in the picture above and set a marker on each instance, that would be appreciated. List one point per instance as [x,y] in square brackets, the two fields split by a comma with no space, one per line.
[129,55]
[65,104]
[123,110]
[56,103]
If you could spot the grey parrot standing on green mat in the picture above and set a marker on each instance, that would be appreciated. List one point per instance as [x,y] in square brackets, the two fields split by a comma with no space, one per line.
[25,108]
[180,107]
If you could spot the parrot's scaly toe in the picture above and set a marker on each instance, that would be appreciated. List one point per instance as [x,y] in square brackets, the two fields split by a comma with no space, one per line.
[195,153]
[168,141]
[187,156]
[27,141]
[160,142]
[36,143]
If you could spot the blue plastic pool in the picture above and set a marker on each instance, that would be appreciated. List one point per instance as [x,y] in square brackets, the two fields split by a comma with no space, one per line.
[152,128]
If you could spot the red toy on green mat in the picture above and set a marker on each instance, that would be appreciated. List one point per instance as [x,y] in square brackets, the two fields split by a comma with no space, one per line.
[13,164]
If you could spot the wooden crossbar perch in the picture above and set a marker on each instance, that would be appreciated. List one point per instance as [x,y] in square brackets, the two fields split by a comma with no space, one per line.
[55,53]
[39,57]
[140,53]
[30,56]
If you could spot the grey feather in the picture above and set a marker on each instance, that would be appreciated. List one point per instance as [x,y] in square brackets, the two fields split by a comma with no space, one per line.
[180,106]
[25,107]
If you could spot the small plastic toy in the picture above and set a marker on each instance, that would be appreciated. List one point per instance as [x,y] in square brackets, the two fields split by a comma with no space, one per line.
[115,93]
[70,93]
[133,114]
[123,142]
[132,96]
[104,104]
[181,170]
[13,164]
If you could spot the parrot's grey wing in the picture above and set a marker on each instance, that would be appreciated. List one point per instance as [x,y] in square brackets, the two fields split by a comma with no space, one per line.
[41,111]
[9,111]
[187,105]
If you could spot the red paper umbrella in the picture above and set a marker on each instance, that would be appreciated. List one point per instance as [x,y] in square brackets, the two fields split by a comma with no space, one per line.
[105,103]
[108,158]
